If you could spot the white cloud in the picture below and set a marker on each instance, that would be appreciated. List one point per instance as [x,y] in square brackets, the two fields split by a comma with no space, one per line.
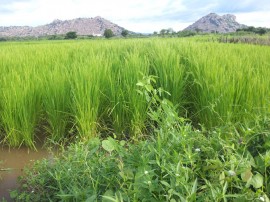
[139,15]
[257,19]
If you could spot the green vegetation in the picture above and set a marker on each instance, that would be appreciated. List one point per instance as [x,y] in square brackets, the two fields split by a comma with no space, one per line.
[108,33]
[124,33]
[186,33]
[256,30]
[203,136]
[88,88]
[247,39]
[71,35]
[176,163]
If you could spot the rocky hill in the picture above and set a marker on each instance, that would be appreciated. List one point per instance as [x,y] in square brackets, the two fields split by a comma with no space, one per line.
[83,26]
[215,23]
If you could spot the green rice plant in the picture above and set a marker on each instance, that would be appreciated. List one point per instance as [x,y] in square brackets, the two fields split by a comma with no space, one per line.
[21,104]
[23,86]
[86,76]
[21,101]
[211,100]
[135,64]
[57,103]
[126,107]
[112,93]
[225,86]
[91,85]
[165,63]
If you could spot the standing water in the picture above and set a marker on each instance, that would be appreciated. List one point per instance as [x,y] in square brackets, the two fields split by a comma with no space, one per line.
[12,163]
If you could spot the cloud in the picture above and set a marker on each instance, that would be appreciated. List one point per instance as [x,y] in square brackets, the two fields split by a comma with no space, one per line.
[14,6]
[257,19]
[228,6]
[5,2]
[5,10]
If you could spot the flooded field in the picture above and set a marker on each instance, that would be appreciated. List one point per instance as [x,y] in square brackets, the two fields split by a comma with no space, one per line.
[13,163]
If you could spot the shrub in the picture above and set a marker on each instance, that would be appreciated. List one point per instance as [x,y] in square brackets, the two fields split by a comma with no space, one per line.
[108,33]
[186,33]
[71,35]
[124,33]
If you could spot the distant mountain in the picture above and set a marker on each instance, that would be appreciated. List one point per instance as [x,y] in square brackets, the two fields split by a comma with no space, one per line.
[83,26]
[215,23]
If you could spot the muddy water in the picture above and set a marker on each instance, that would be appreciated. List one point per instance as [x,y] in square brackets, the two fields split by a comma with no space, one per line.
[13,162]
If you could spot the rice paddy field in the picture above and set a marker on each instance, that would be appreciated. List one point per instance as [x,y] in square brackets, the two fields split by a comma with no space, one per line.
[145,119]
[88,88]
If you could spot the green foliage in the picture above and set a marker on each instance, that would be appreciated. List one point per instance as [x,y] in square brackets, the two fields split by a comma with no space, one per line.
[257,30]
[71,35]
[124,33]
[108,33]
[261,31]
[162,32]
[56,37]
[186,33]
[176,163]
[52,37]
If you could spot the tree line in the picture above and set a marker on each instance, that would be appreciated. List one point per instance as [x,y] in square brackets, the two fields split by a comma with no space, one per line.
[256,30]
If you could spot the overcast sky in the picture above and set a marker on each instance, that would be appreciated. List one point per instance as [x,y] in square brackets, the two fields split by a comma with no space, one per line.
[138,15]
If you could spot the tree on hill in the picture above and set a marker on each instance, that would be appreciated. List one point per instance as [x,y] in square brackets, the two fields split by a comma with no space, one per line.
[108,33]
[71,35]
[124,33]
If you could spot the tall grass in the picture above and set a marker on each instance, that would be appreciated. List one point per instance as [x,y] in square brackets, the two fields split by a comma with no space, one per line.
[90,86]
